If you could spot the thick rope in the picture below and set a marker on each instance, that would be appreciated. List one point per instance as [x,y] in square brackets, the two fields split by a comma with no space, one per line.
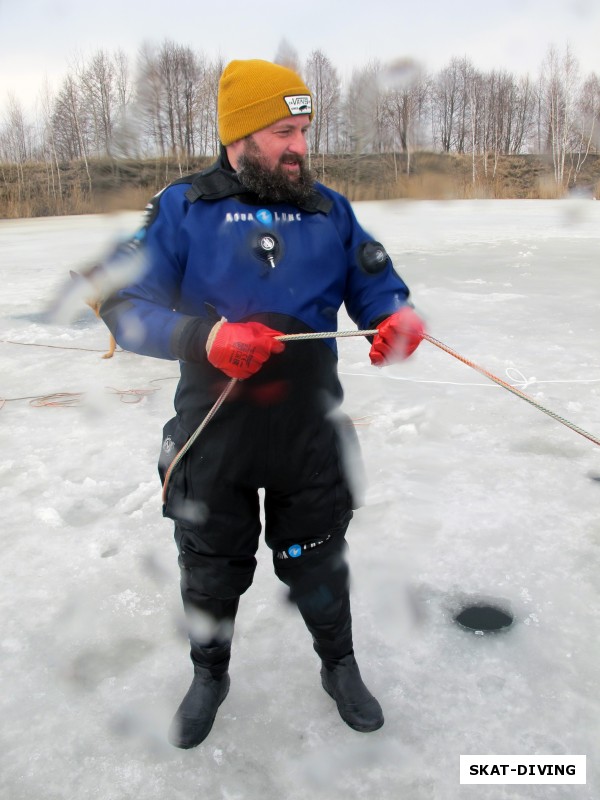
[512,389]
[290,337]
[476,367]
[219,402]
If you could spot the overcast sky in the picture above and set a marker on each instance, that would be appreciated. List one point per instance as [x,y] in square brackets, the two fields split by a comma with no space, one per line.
[40,38]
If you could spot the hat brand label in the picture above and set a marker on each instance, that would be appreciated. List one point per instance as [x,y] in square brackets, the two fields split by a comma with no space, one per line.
[299,104]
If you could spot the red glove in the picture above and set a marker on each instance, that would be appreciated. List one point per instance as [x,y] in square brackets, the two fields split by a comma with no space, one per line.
[399,335]
[239,349]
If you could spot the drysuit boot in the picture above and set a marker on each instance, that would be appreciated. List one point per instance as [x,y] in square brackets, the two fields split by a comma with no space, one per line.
[358,708]
[195,716]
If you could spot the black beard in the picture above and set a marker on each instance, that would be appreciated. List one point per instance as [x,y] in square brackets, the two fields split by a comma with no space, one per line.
[273,185]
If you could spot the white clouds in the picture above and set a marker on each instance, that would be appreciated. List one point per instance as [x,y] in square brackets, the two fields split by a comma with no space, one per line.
[42,38]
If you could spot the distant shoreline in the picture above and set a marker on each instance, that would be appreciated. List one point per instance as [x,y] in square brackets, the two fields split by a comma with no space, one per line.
[95,186]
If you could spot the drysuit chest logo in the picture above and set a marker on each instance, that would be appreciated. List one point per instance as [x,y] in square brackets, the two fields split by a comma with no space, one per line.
[264,216]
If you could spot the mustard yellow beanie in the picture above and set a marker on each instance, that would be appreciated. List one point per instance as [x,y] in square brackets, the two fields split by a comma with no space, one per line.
[254,94]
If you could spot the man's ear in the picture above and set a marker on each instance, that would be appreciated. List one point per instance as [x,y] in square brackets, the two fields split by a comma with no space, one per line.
[234,151]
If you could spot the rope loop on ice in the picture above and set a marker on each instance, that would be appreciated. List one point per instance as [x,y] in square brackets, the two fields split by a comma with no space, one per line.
[513,390]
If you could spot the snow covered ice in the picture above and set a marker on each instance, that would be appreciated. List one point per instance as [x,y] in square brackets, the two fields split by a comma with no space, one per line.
[472,493]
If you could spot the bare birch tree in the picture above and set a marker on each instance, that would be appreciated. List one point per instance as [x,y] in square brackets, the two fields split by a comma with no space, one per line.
[125,140]
[588,125]
[208,106]
[15,141]
[150,101]
[70,125]
[559,96]
[287,56]
[523,106]
[405,98]
[16,134]
[169,96]
[97,80]
[445,106]
[324,83]
[55,190]
[364,115]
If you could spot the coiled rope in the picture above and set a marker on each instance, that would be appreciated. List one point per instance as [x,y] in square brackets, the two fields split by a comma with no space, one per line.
[290,337]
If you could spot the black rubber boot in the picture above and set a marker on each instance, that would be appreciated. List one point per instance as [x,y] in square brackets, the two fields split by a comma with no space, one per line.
[195,716]
[357,706]
[210,653]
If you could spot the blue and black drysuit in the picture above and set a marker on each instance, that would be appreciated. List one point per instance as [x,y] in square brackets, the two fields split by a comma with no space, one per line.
[206,257]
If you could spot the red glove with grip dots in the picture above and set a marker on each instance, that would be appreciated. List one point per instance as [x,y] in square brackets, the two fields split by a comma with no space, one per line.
[239,349]
[399,335]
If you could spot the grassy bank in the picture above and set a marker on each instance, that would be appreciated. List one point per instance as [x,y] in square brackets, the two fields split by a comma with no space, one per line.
[41,189]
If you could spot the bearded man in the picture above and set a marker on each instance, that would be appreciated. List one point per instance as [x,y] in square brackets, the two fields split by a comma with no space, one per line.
[236,256]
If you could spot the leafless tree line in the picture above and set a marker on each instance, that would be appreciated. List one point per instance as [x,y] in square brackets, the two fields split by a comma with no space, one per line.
[166,106]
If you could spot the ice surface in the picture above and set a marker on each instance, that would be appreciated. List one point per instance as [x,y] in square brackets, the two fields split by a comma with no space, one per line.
[472,494]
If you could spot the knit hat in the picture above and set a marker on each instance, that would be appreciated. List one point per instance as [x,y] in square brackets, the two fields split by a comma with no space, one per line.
[254,94]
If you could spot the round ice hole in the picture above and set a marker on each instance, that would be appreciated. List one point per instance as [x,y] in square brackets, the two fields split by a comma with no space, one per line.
[483,617]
